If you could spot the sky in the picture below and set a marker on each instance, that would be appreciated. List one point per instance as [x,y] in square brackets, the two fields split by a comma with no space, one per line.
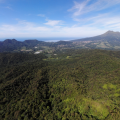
[58,18]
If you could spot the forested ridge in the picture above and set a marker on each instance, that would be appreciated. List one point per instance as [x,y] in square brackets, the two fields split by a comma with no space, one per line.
[71,85]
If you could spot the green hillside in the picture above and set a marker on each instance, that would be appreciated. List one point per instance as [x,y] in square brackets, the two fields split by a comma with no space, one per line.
[71,85]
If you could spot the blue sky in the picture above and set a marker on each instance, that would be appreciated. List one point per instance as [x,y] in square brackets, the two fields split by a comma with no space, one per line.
[58,18]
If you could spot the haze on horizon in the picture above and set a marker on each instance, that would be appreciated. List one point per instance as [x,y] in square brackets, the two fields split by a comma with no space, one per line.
[58,18]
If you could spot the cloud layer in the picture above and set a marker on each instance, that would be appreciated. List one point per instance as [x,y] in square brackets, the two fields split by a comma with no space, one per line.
[98,14]
[53,22]
[24,28]
[86,6]
[85,18]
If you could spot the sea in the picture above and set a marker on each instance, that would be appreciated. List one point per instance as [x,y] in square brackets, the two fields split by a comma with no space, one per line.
[50,39]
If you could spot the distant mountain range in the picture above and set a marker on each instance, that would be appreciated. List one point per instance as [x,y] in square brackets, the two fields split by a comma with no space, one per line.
[109,35]
[109,40]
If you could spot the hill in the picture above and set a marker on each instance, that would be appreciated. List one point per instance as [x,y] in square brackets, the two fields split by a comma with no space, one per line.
[109,35]
[74,84]
[108,40]
[12,45]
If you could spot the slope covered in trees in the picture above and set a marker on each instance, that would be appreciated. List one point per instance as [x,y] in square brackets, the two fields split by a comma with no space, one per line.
[73,85]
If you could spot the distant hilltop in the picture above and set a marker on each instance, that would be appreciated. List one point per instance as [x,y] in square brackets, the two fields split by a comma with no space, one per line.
[109,35]
[108,40]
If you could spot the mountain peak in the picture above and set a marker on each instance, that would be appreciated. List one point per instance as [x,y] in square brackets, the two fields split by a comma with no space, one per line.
[10,41]
[111,32]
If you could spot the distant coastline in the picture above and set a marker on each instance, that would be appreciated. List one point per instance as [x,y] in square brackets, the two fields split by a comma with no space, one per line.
[48,39]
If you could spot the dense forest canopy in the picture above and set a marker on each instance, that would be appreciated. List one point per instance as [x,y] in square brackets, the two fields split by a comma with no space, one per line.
[71,84]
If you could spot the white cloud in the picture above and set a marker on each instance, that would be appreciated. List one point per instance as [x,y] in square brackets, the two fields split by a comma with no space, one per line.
[6,27]
[84,7]
[53,22]
[107,20]
[41,15]
[28,29]
[84,31]
[104,21]
[22,27]
[25,23]
[79,7]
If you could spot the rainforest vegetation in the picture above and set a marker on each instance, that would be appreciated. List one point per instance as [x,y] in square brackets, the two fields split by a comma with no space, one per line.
[67,85]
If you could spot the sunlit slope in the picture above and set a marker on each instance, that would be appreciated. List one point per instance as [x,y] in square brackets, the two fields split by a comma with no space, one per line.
[87,87]
[109,40]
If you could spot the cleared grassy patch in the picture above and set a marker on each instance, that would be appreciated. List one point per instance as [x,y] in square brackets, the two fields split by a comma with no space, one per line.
[102,45]
[111,86]
[105,86]
[93,108]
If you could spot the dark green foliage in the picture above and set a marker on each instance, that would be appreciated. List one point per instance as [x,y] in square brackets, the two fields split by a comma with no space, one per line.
[74,85]
[10,45]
